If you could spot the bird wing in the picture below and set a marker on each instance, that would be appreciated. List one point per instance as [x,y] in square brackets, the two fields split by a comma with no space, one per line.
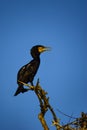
[28,71]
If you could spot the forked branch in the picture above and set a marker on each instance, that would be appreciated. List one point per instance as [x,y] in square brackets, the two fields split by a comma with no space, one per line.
[44,105]
[79,123]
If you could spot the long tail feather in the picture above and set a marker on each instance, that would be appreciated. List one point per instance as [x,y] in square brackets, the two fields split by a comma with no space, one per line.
[20,89]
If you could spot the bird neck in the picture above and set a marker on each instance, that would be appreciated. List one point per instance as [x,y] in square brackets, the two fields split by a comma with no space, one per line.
[36,58]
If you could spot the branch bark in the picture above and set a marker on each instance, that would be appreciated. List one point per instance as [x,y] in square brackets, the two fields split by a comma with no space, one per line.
[44,105]
[79,123]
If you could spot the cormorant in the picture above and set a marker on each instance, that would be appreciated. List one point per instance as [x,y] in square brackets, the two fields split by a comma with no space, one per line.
[27,72]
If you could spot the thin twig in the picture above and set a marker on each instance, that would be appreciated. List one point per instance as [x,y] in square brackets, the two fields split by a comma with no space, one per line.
[66,114]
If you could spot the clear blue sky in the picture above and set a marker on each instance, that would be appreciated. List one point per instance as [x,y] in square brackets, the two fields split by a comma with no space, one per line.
[60,24]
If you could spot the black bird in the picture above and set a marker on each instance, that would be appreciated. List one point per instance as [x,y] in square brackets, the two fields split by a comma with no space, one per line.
[27,72]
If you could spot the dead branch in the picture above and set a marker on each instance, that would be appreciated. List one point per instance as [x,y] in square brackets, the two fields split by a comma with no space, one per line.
[78,123]
[44,105]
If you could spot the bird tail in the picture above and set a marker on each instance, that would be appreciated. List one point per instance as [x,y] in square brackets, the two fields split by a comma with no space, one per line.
[20,89]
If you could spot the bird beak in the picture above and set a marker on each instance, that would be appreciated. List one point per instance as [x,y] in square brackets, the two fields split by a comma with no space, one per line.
[47,48]
[42,49]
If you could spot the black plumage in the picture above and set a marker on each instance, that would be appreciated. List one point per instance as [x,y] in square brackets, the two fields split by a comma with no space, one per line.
[27,72]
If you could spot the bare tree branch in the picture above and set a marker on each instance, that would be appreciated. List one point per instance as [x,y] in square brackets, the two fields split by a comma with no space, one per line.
[78,123]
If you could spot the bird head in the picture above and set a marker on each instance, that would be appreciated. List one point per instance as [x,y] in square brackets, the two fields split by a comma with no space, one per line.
[38,49]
